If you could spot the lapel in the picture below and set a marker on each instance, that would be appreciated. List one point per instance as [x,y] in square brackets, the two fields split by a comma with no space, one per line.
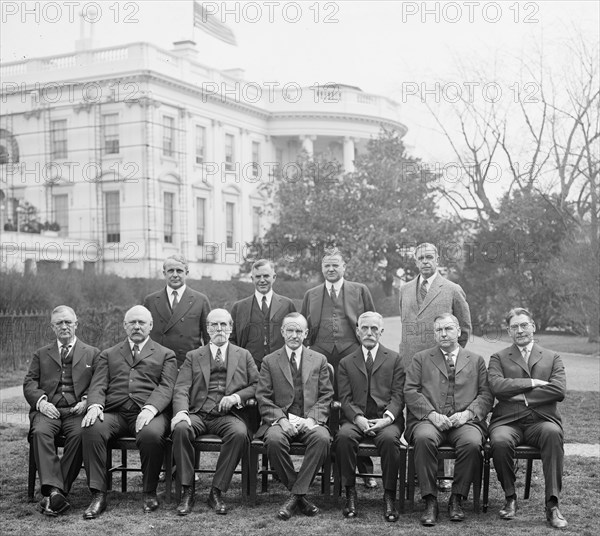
[232,358]
[434,290]
[359,362]
[204,358]
[53,353]
[410,293]
[535,355]
[77,353]
[275,306]
[284,364]
[126,353]
[145,352]
[350,293]
[162,305]
[437,358]
[381,356]
[317,305]
[184,305]
[514,354]
[462,360]
[306,364]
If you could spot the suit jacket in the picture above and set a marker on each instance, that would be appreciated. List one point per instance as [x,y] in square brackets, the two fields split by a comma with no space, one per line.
[508,376]
[357,300]
[417,324]
[191,388]
[183,330]
[426,387]
[275,391]
[244,331]
[44,372]
[387,384]
[147,380]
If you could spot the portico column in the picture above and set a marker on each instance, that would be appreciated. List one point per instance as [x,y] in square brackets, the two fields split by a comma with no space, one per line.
[348,154]
[307,144]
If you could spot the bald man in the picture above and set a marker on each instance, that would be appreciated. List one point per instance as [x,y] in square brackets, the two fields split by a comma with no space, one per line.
[131,388]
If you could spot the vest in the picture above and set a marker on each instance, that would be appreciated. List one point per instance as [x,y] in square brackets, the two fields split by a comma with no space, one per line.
[371,409]
[216,388]
[65,393]
[334,329]
[259,333]
[449,404]
[297,407]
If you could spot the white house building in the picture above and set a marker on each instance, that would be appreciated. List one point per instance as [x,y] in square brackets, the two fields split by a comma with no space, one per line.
[133,153]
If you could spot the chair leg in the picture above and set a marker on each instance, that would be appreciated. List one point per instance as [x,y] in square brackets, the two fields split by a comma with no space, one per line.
[252,476]
[528,478]
[168,471]
[124,470]
[245,475]
[31,475]
[411,479]
[486,479]
[477,487]
[265,473]
[326,478]
[109,468]
[401,480]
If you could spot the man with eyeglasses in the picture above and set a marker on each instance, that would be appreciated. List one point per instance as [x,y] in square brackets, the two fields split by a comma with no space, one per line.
[528,381]
[213,385]
[447,401]
[129,395]
[294,394]
[56,387]
[178,311]
[370,385]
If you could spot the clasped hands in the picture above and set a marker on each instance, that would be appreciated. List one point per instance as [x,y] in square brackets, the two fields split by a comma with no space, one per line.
[49,409]
[302,425]
[443,423]
[370,426]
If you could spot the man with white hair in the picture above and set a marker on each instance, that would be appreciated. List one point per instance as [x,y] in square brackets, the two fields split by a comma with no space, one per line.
[131,388]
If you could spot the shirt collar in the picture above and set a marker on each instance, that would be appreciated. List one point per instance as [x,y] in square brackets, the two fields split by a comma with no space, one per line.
[69,344]
[179,290]
[429,280]
[373,351]
[529,347]
[337,286]
[289,351]
[453,354]
[139,344]
[214,348]
[259,297]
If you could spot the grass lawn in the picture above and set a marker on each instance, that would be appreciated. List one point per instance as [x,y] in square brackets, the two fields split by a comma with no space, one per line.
[10,377]
[124,516]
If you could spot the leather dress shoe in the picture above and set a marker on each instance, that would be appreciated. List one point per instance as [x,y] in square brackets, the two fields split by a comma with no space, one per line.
[370,482]
[150,502]
[187,501]
[389,507]
[350,506]
[430,515]
[555,518]
[44,507]
[455,509]
[97,506]
[306,507]
[509,510]
[216,502]
[58,501]
[287,510]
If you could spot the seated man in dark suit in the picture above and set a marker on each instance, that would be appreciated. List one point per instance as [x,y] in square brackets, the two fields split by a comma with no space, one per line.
[370,385]
[131,388]
[447,400]
[294,395]
[257,318]
[178,311]
[56,387]
[213,384]
[528,382]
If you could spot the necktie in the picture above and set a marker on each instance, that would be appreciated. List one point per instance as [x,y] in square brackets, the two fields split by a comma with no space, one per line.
[219,359]
[525,353]
[136,351]
[369,363]
[293,366]
[332,293]
[423,290]
[175,300]
[449,360]
[64,352]
[264,308]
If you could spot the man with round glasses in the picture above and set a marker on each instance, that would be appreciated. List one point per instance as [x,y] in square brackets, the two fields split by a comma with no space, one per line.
[528,381]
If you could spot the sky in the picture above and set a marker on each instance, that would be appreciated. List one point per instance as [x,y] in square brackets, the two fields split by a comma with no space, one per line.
[388,48]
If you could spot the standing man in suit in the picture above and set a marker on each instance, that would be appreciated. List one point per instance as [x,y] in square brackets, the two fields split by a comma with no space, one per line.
[421,301]
[294,395]
[332,310]
[371,384]
[212,386]
[131,388]
[257,318]
[447,400]
[528,382]
[178,312]
[56,387]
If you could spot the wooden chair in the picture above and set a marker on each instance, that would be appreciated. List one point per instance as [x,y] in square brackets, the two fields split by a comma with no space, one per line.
[522,452]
